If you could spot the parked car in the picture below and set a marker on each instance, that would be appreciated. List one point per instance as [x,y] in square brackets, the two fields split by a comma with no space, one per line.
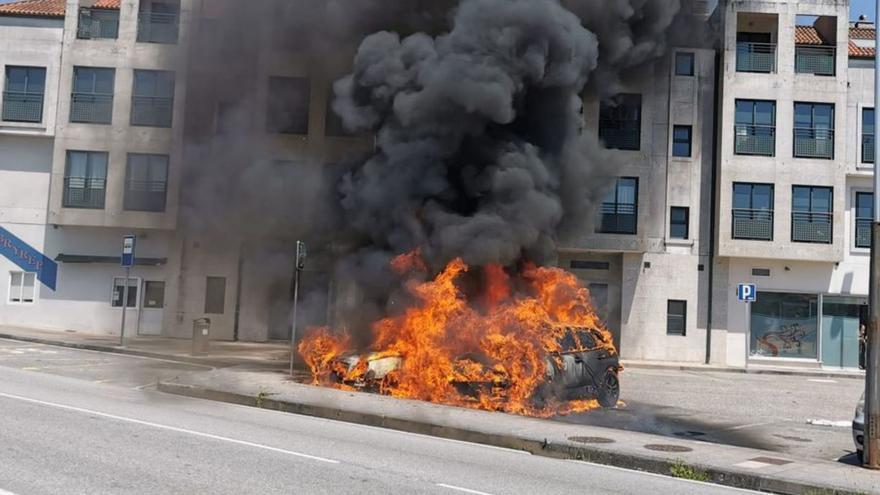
[858,429]
[585,368]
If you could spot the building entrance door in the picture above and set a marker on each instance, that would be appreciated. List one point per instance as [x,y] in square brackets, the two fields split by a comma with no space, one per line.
[840,331]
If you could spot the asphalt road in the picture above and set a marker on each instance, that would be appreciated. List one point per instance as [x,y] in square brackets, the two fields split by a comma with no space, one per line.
[770,412]
[97,429]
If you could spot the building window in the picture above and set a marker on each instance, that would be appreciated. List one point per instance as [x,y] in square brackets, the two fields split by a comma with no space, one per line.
[85,179]
[92,98]
[784,325]
[684,64]
[620,122]
[98,24]
[867,135]
[288,105]
[816,59]
[158,21]
[676,317]
[154,294]
[215,295]
[152,101]
[864,218]
[146,182]
[752,211]
[681,140]
[811,217]
[22,287]
[589,265]
[679,222]
[755,52]
[119,292]
[755,128]
[814,130]
[620,208]
[23,94]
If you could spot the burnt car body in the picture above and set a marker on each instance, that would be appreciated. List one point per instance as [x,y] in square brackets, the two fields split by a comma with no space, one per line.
[584,366]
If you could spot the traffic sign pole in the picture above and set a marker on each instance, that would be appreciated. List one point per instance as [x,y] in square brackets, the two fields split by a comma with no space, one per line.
[124,304]
[299,265]
[128,254]
[872,368]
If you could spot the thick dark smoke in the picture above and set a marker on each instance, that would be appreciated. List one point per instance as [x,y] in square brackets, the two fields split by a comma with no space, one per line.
[477,111]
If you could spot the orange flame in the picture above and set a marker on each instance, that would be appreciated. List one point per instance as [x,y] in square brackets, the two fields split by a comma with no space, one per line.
[450,346]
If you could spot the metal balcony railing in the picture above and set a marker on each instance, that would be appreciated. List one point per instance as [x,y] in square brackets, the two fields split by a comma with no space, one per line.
[143,195]
[867,148]
[818,60]
[618,218]
[22,107]
[752,224]
[811,142]
[91,108]
[621,135]
[756,57]
[99,24]
[84,192]
[151,111]
[154,27]
[755,140]
[863,232]
[811,227]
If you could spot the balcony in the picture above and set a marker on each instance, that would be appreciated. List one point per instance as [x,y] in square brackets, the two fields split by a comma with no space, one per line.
[22,107]
[752,224]
[811,227]
[143,195]
[90,108]
[620,135]
[618,218]
[155,27]
[84,192]
[151,111]
[755,140]
[818,60]
[756,57]
[867,148]
[99,24]
[863,232]
[811,142]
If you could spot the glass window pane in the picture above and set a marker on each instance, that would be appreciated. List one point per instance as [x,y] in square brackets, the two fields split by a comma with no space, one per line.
[98,165]
[36,80]
[800,198]
[16,79]
[28,287]
[765,113]
[824,115]
[77,164]
[864,205]
[83,80]
[626,191]
[154,294]
[867,121]
[784,325]
[803,115]
[762,197]
[15,282]
[684,64]
[745,111]
[144,83]
[742,196]
[104,81]
[821,201]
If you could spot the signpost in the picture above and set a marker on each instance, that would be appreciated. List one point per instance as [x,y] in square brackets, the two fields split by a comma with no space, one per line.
[872,369]
[747,293]
[128,244]
[298,268]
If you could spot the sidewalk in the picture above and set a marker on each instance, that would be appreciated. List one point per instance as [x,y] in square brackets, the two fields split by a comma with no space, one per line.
[728,465]
[221,354]
[751,369]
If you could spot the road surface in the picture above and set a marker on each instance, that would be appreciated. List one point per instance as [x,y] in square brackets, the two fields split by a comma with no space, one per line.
[75,432]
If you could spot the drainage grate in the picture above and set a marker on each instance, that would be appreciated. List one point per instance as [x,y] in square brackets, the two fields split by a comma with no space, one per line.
[662,447]
[591,439]
[771,460]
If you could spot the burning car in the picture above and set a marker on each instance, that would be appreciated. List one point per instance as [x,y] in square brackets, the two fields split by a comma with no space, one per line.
[582,366]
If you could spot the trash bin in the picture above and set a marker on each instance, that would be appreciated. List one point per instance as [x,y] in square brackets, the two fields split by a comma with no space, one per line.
[201,336]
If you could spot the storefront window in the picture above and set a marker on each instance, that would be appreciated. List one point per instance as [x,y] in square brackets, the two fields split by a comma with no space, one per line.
[785,325]
[840,331]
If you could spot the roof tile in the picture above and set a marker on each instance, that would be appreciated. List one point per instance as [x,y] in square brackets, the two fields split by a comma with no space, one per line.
[35,8]
[857,51]
[807,35]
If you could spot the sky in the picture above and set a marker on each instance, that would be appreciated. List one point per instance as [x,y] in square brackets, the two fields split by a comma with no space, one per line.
[862,7]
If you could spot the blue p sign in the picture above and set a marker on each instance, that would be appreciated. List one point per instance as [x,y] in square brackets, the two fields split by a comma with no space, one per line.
[747,292]
[128,243]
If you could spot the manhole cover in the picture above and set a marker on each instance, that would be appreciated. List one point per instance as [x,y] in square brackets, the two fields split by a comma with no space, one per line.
[689,434]
[662,447]
[591,439]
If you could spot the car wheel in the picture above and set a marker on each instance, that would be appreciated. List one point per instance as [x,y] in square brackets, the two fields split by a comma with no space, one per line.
[609,389]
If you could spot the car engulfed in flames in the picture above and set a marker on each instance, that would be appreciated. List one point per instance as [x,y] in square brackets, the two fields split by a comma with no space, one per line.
[522,340]
[579,370]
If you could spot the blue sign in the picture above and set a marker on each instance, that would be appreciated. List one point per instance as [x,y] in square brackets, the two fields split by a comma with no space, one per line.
[128,243]
[28,258]
[747,292]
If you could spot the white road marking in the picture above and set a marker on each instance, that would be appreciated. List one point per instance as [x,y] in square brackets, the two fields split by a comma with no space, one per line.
[831,423]
[667,477]
[4,492]
[821,380]
[460,489]
[169,428]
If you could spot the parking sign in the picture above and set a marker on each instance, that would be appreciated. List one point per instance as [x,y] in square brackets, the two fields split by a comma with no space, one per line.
[128,243]
[747,292]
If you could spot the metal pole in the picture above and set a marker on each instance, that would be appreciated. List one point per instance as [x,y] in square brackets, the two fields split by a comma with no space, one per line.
[124,304]
[293,318]
[872,370]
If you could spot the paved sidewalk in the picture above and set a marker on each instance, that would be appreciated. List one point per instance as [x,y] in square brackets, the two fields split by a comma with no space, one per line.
[221,353]
[734,466]
[751,369]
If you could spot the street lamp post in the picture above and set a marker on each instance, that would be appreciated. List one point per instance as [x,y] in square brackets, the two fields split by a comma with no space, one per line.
[872,370]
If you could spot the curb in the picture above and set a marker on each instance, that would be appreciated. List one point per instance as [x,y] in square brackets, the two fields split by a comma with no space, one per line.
[744,371]
[110,349]
[545,448]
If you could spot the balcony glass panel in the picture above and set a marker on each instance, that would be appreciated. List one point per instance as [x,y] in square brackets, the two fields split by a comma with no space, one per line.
[84,192]
[811,227]
[19,106]
[814,143]
[753,224]
[755,57]
[157,27]
[755,140]
[818,60]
